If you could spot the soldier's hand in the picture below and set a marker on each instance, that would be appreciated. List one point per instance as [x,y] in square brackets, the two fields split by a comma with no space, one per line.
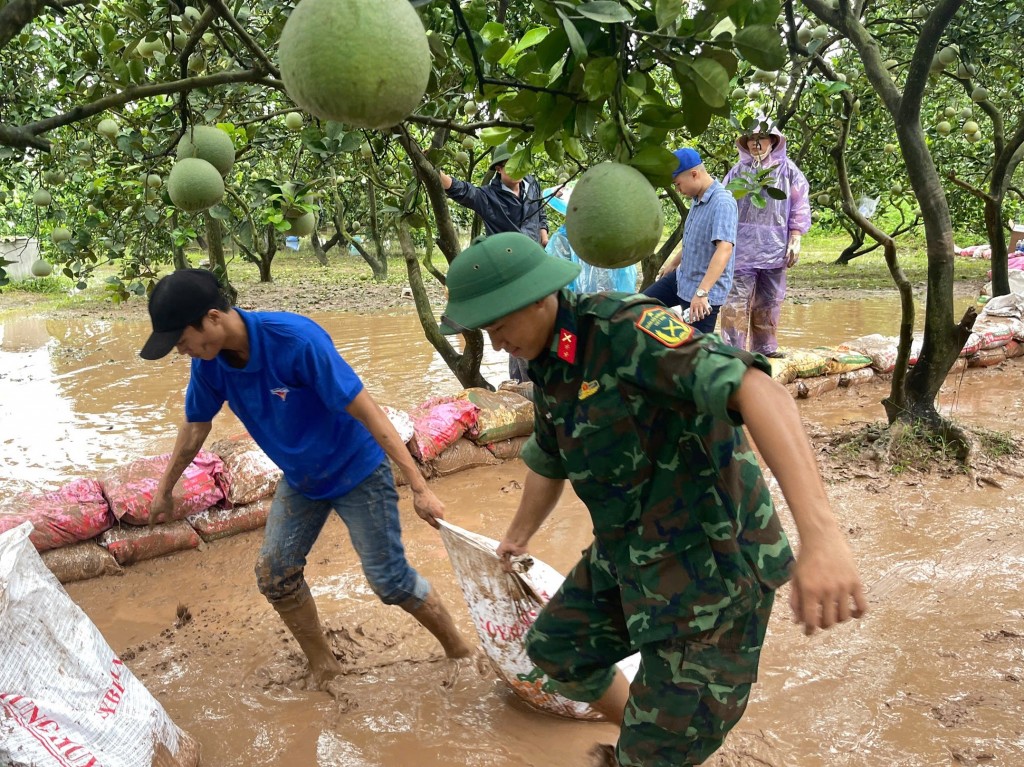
[826,588]
[507,551]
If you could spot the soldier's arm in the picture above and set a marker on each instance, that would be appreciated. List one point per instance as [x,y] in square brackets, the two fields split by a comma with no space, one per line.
[540,495]
[826,586]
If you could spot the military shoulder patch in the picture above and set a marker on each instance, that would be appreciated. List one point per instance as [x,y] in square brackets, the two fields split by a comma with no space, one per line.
[665,326]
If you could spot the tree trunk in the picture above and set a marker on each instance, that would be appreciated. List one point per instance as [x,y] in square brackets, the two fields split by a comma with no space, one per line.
[997,241]
[466,366]
[378,244]
[318,250]
[267,253]
[215,250]
[850,252]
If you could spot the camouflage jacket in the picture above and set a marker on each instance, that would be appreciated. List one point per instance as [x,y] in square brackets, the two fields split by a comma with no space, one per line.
[632,409]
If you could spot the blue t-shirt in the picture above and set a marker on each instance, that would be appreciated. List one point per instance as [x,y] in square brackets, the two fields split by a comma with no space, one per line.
[291,396]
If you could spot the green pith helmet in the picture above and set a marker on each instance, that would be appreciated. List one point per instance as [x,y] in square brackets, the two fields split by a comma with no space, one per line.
[498,275]
[501,155]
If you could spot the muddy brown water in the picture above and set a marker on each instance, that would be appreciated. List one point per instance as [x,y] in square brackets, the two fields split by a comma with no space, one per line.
[933,676]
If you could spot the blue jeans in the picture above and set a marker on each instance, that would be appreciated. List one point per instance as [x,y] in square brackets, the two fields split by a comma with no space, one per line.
[370,511]
[667,291]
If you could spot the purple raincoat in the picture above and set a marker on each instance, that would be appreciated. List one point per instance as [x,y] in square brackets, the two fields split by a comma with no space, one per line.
[763,233]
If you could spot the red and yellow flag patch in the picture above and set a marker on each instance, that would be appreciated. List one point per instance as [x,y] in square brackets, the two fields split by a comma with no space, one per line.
[664,326]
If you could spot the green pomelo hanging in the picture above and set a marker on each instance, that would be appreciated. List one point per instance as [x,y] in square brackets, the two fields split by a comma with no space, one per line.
[365,63]
[208,143]
[614,217]
[194,185]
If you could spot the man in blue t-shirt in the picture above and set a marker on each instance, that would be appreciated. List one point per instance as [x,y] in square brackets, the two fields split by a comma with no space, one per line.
[308,411]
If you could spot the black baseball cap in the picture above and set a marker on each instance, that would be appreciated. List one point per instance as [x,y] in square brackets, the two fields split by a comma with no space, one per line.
[178,300]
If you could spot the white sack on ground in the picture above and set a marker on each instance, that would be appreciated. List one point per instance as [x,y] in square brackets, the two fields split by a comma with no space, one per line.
[503,607]
[65,697]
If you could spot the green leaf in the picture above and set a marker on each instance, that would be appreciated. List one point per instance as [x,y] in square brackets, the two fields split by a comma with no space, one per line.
[667,11]
[151,214]
[762,46]
[604,11]
[520,164]
[712,81]
[494,136]
[220,212]
[656,163]
[599,78]
[608,135]
[663,117]
[758,201]
[579,48]
[775,193]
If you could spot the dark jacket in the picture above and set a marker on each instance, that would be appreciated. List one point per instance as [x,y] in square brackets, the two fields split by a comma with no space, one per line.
[500,210]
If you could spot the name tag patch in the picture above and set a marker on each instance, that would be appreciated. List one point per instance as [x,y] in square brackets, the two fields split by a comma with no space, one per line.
[665,326]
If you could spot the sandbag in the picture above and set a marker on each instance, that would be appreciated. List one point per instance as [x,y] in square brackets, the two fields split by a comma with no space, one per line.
[813,387]
[503,607]
[134,544]
[75,512]
[399,475]
[805,364]
[438,423]
[882,350]
[502,415]
[523,388]
[842,361]
[65,697]
[782,369]
[987,358]
[249,473]
[856,377]
[130,488]
[80,562]
[460,455]
[220,523]
[507,449]
[401,420]
[994,331]
[1014,349]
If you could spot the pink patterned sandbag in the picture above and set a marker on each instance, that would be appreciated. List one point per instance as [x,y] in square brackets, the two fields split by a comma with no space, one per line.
[438,423]
[76,512]
[130,488]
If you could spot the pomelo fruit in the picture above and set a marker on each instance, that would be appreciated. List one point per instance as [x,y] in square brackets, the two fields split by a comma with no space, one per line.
[943,128]
[979,94]
[107,128]
[293,121]
[60,234]
[41,268]
[208,143]
[824,199]
[614,217]
[41,198]
[365,63]
[302,226]
[153,180]
[194,185]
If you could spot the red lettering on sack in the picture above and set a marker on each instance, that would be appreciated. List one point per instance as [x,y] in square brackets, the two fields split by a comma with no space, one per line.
[112,697]
[46,731]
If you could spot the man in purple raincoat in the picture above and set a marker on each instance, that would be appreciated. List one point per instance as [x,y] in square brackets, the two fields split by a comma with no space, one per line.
[767,242]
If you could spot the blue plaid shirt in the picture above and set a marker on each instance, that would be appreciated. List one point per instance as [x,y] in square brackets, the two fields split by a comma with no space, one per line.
[712,217]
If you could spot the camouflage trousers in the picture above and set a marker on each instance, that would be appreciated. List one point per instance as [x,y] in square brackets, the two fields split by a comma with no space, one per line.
[689,690]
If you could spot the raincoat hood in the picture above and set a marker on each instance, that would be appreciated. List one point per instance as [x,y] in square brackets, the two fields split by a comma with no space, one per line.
[778,140]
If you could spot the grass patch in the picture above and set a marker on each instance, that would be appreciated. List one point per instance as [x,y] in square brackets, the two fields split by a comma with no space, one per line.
[817,268]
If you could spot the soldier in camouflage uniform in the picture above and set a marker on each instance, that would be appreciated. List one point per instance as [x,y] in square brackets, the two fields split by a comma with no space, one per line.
[644,415]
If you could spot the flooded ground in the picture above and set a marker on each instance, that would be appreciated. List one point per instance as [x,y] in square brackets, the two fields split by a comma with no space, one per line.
[933,676]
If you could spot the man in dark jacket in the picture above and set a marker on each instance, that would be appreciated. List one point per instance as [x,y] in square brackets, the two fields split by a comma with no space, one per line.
[505,205]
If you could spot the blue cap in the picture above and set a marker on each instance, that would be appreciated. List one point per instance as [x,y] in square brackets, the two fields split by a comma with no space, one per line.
[688,158]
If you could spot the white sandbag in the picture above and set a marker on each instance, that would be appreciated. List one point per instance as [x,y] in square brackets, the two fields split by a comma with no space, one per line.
[504,607]
[65,697]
